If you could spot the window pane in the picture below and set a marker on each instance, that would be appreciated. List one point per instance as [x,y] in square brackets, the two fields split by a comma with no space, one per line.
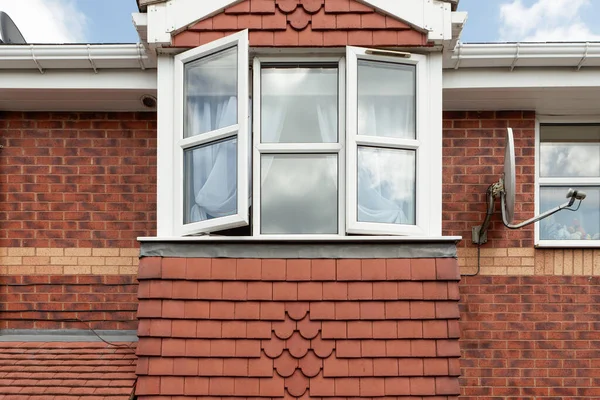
[386,185]
[386,99]
[211,93]
[299,105]
[570,151]
[210,179]
[299,193]
[583,224]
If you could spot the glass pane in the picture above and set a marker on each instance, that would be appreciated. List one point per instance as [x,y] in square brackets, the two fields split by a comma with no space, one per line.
[386,185]
[570,151]
[386,99]
[583,224]
[299,193]
[211,93]
[299,105]
[210,179]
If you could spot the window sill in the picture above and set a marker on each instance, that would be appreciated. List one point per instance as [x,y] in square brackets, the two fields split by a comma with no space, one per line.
[568,244]
[304,239]
[314,247]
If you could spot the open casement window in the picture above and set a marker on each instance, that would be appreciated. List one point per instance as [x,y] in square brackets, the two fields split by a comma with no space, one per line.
[211,136]
[386,167]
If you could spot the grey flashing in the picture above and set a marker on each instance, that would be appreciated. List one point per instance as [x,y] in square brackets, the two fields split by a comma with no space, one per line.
[432,248]
[66,335]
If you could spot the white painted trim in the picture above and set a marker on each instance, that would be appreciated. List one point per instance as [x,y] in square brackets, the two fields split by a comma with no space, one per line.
[540,182]
[173,16]
[531,78]
[428,107]
[305,238]
[514,55]
[165,182]
[116,80]
[42,57]
[296,148]
[238,131]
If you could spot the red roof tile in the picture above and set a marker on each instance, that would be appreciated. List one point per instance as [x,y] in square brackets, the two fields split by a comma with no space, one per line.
[66,370]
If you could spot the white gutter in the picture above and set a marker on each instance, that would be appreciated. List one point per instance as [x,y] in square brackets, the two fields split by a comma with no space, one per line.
[515,55]
[75,56]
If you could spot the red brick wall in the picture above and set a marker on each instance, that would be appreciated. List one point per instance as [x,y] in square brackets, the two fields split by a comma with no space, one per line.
[77,179]
[61,301]
[473,156]
[530,337]
[306,23]
[298,328]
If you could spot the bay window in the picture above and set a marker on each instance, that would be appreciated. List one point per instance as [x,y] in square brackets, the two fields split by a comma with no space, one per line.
[307,146]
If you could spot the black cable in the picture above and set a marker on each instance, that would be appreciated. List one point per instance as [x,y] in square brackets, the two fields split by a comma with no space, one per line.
[478,262]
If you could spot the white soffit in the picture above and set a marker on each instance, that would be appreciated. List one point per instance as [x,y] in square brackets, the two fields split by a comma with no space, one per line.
[550,78]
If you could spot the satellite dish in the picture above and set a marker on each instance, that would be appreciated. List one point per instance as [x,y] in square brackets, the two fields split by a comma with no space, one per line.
[505,188]
[9,33]
[510,176]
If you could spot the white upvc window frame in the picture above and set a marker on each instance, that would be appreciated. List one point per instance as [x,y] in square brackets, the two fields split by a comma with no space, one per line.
[259,148]
[354,140]
[238,131]
[565,182]
[171,144]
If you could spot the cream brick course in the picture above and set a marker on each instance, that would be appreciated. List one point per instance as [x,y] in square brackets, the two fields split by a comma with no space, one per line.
[77,261]
[49,270]
[104,270]
[36,260]
[578,262]
[90,261]
[63,260]
[521,252]
[491,252]
[11,260]
[49,252]
[528,261]
[105,252]
[21,251]
[118,261]
[78,252]
[77,270]
[21,270]
[128,270]
[132,252]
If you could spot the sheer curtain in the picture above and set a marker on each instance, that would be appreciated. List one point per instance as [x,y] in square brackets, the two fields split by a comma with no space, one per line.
[382,178]
[214,174]
[273,114]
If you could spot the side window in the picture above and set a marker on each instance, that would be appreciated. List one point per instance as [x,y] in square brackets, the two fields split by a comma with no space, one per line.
[211,150]
[384,150]
[569,156]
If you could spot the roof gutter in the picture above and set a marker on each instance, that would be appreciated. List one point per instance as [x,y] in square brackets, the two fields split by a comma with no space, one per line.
[75,56]
[516,55]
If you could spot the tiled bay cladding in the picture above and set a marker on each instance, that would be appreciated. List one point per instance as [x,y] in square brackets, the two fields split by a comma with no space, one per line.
[385,328]
[76,190]
[530,337]
[303,23]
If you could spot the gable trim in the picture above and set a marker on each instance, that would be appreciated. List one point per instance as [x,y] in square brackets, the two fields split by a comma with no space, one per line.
[174,16]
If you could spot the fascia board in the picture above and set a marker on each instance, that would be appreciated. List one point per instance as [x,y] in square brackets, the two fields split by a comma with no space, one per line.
[42,57]
[119,80]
